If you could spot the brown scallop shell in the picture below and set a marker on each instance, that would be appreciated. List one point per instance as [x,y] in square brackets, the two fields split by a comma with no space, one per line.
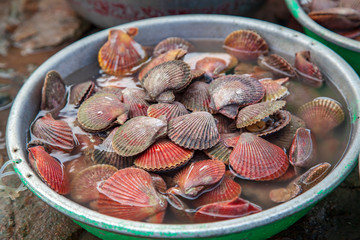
[308,72]
[314,175]
[321,115]
[254,71]
[257,159]
[194,131]
[219,152]
[175,54]
[199,176]
[170,44]
[277,65]
[53,92]
[80,92]
[235,90]
[224,124]
[254,113]
[130,194]
[303,149]
[105,154]
[51,171]
[273,90]
[74,166]
[169,110]
[137,134]
[245,45]
[120,54]
[83,187]
[227,190]
[56,134]
[278,121]
[95,117]
[213,66]
[197,98]
[235,208]
[337,18]
[163,155]
[135,98]
[168,76]
[280,195]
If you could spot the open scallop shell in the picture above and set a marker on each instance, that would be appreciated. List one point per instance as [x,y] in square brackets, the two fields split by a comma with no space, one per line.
[194,131]
[95,117]
[80,92]
[245,45]
[257,159]
[135,99]
[138,134]
[170,44]
[274,90]
[53,92]
[275,123]
[321,115]
[130,194]
[235,208]
[197,98]
[120,54]
[83,187]
[50,170]
[56,134]
[163,155]
[277,64]
[308,72]
[169,110]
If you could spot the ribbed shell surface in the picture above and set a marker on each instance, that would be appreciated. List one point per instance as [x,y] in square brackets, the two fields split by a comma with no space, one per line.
[197,97]
[169,110]
[135,98]
[194,131]
[53,91]
[273,90]
[277,64]
[170,44]
[80,92]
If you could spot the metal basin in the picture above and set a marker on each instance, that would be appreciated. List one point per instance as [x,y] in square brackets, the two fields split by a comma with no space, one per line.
[257,226]
[348,48]
[109,13]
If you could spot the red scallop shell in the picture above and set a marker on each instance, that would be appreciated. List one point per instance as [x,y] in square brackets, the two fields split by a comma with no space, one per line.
[76,165]
[308,72]
[83,187]
[53,92]
[198,176]
[274,90]
[95,117]
[212,66]
[197,98]
[170,44]
[245,45]
[120,54]
[257,159]
[51,171]
[163,155]
[137,134]
[159,183]
[169,110]
[277,64]
[194,131]
[130,194]
[303,149]
[80,92]
[57,134]
[227,190]
[135,98]
[235,208]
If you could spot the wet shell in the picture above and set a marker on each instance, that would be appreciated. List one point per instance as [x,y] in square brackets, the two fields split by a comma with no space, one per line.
[168,76]
[257,159]
[83,187]
[51,171]
[94,117]
[194,131]
[197,98]
[337,18]
[213,66]
[163,155]
[314,175]
[198,176]
[130,194]
[169,110]
[321,115]
[138,134]
[277,121]
[224,124]
[245,45]
[308,72]
[120,54]
[159,183]
[135,98]
[280,195]
[171,55]
[235,208]
[170,44]
[105,154]
[219,152]
[74,166]
[254,113]
[57,134]
[274,90]
[303,149]
[254,71]
[277,65]
[81,92]
[53,92]
[227,190]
